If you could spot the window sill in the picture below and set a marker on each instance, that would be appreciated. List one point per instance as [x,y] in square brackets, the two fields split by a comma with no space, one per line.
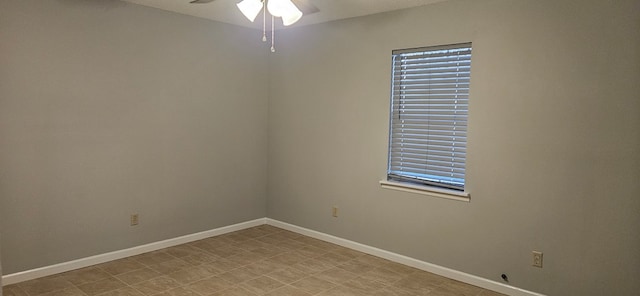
[427,190]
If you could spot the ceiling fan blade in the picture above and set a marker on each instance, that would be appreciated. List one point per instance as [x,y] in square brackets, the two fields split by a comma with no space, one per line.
[201,1]
[305,6]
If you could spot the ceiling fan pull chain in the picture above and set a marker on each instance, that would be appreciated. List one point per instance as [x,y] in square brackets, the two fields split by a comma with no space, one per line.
[273,34]
[264,21]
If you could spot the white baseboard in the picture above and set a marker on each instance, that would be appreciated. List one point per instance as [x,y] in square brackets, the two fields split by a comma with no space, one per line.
[102,258]
[436,269]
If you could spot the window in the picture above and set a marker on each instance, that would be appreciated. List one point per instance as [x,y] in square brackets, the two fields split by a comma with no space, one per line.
[429,108]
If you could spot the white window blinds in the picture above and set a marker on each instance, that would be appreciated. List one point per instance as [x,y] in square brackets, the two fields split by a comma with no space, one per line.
[429,107]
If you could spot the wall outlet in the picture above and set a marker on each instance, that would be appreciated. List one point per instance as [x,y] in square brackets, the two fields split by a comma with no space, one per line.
[134,219]
[537,259]
[334,212]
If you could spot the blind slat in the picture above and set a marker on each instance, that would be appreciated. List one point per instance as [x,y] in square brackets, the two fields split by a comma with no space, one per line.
[418,149]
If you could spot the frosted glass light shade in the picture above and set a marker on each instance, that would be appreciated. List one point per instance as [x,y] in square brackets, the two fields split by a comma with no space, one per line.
[292,18]
[285,9]
[250,8]
[276,7]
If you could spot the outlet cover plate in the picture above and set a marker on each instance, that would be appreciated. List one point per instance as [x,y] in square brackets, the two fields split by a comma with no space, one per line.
[537,259]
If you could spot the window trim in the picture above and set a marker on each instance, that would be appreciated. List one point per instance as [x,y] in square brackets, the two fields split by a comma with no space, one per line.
[427,190]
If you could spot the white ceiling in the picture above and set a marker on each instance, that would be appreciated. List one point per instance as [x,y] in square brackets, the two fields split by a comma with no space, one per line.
[330,10]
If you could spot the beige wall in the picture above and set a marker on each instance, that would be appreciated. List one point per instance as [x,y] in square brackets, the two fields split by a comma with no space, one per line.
[108,109]
[553,162]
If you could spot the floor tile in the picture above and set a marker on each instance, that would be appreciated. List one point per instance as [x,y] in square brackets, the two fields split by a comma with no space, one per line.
[246,258]
[267,252]
[202,245]
[288,291]
[182,251]
[121,266]
[190,275]
[392,291]
[261,285]
[226,251]
[101,286]
[288,275]
[452,287]
[419,283]
[137,276]
[178,292]
[252,244]
[126,291]
[313,285]
[344,291]
[234,291]
[382,275]
[399,268]
[334,259]
[13,290]
[265,266]
[157,285]
[66,292]
[45,285]
[199,258]
[211,285]
[356,267]
[239,275]
[372,260]
[285,235]
[289,258]
[236,237]
[289,244]
[153,257]
[170,266]
[254,232]
[85,275]
[224,265]
[364,285]
[311,251]
[346,252]
[336,275]
[313,266]
[268,239]
[489,293]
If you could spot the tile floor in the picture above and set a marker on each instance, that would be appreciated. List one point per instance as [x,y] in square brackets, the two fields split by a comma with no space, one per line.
[262,260]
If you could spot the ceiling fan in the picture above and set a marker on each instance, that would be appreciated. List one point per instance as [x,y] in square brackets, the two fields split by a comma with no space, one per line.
[289,10]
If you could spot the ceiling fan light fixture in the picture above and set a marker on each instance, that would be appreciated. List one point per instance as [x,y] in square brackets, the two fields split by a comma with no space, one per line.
[286,9]
[250,8]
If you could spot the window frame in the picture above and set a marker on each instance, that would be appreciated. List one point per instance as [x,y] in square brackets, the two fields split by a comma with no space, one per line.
[433,184]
